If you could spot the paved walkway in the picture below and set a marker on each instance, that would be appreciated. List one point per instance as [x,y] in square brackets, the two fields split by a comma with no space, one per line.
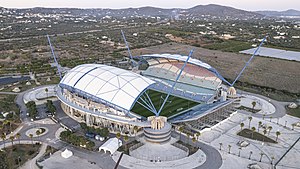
[280,110]
[193,161]
[163,152]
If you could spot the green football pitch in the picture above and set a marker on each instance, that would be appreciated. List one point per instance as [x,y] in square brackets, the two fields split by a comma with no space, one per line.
[173,106]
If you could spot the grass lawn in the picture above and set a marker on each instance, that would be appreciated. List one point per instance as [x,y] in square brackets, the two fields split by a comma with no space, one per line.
[294,112]
[256,136]
[173,106]
[17,155]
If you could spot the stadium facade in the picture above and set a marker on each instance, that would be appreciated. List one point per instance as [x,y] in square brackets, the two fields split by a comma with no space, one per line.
[103,96]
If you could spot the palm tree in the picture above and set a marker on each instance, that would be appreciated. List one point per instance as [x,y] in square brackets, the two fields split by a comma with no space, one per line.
[46,90]
[118,135]
[259,124]
[229,147]
[264,116]
[293,126]
[135,129]
[3,137]
[188,137]
[180,130]
[240,151]
[265,131]
[18,135]
[249,118]
[261,155]
[250,153]
[220,145]
[271,118]
[12,140]
[125,140]
[272,159]
[253,130]
[277,134]
[269,128]
[253,105]
[31,136]
[38,132]
[242,125]
[194,140]
[198,134]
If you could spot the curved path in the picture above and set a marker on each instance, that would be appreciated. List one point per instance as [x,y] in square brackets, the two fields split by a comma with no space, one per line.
[280,110]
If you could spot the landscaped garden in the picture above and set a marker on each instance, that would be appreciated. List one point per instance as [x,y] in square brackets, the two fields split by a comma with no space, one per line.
[15,156]
[251,134]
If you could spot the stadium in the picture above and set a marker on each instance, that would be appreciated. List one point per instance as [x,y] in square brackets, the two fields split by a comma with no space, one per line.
[122,100]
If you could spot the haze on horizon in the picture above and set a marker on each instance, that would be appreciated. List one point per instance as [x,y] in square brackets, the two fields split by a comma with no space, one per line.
[250,5]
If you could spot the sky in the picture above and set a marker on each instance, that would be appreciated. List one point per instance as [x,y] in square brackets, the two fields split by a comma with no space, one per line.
[250,5]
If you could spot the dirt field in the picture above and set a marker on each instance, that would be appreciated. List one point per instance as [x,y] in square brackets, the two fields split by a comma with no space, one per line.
[262,71]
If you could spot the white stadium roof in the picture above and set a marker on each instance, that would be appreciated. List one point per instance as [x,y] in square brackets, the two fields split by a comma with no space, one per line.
[114,85]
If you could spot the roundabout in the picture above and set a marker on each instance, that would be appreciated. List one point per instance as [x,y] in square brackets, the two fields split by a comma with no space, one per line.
[36,132]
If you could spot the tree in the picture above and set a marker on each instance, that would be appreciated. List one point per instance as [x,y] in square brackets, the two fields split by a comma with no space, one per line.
[188,137]
[194,140]
[135,129]
[125,140]
[265,131]
[7,122]
[293,126]
[12,140]
[272,159]
[277,134]
[31,136]
[38,132]
[253,105]
[253,130]
[180,130]
[118,135]
[198,135]
[261,155]
[250,153]
[240,151]
[269,128]
[264,116]
[271,118]
[3,137]
[259,125]
[18,135]
[46,90]
[249,118]
[229,147]
[220,145]
[242,125]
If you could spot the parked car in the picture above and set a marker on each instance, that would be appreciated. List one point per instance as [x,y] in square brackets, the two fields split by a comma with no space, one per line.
[98,137]
[90,135]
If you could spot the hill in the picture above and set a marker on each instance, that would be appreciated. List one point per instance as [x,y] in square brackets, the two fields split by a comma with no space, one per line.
[197,12]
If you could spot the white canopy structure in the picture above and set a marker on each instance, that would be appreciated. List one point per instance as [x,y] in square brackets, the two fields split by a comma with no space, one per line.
[111,145]
[66,154]
[109,84]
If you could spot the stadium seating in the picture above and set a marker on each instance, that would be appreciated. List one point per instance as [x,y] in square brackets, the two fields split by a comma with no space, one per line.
[192,74]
